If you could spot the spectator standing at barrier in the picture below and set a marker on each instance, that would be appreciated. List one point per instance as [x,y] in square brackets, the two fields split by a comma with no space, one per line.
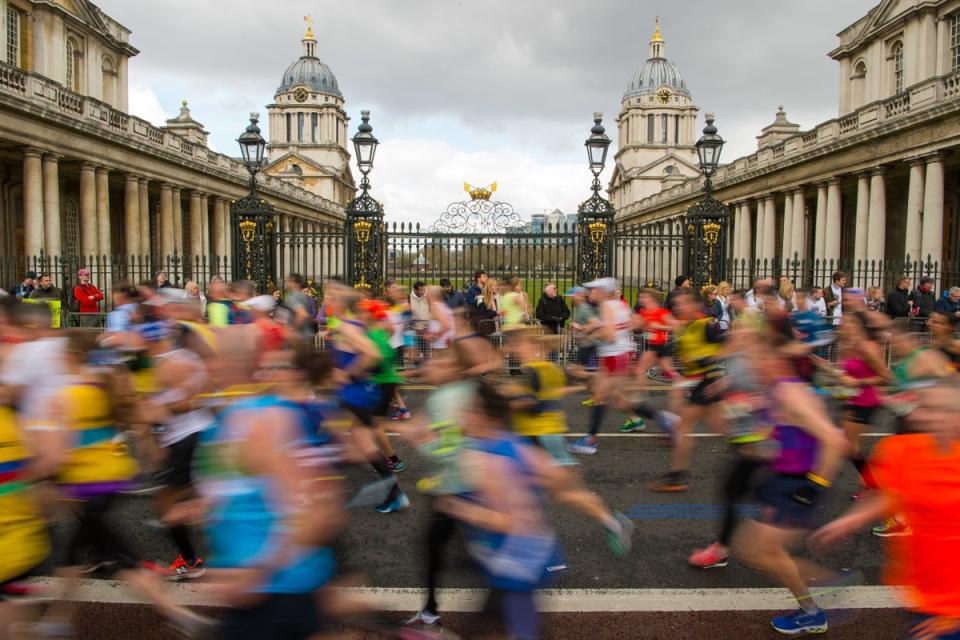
[898,300]
[681,283]
[193,291]
[950,304]
[476,289]
[45,290]
[88,298]
[26,287]
[833,295]
[924,300]
[300,306]
[816,303]
[487,310]
[161,281]
[420,307]
[724,290]
[552,311]
[453,298]
[874,300]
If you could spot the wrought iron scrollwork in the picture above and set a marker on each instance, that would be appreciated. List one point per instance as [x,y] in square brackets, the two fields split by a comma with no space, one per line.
[477,216]
[365,240]
[594,223]
[254,239]
[707,228]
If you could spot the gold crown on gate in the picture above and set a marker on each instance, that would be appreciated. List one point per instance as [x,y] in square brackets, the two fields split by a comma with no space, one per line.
[480,193]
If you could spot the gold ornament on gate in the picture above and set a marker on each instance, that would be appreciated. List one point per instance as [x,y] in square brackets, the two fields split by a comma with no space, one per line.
[362,229]
[598,230]
[248,230]
[711,232]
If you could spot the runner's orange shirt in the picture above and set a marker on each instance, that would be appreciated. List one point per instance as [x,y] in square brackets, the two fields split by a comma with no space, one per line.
[658,317]
[924,481]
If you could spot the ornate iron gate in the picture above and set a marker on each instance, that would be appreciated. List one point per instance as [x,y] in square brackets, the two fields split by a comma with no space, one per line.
[649,255]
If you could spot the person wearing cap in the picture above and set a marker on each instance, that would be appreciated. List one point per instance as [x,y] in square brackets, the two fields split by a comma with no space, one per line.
[26,287]
[88,298]
[552,311]
[924,300]
[681,283]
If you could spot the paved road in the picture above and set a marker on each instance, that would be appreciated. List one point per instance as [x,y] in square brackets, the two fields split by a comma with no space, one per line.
[387,549]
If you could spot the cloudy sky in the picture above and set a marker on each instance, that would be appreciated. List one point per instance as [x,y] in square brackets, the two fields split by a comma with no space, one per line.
[484,90]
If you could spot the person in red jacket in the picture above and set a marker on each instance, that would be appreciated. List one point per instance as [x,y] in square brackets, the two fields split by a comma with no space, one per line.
[88,298]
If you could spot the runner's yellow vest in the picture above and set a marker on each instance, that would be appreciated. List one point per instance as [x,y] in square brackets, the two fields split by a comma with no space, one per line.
[95,457]
[549,419]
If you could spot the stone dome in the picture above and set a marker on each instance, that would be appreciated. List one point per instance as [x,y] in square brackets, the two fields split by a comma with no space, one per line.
[656,73]
[312,73]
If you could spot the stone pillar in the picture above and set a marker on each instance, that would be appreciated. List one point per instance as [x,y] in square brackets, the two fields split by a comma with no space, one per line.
[877,231]
[131,215]
[911,247]
[51,204]
[770,228]
[104,244]
[931,237]
[144,191]
[196,227]
[798,232]
[746,231]
[32,202]
[786,233]
[863,217]
[761,221]
[228,230]
[177,221]
[205,224]
[220,227]
[166,221]
[831,234]
[88,210]
[820,224]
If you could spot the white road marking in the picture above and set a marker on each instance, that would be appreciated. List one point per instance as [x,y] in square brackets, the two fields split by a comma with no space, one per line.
[550,600]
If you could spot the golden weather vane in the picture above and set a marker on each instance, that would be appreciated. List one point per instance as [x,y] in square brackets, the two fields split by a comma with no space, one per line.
[309,20]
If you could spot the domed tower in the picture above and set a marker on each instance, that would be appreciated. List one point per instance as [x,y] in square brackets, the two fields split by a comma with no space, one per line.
[656,130]
[308,143]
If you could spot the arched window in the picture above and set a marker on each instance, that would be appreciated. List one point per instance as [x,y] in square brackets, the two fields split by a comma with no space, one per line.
[72,65]
[650,128]
[896,61]
[858,85]
[663,128]
[109,81]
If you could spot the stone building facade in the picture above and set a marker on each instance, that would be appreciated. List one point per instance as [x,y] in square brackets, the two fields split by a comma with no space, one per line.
[79,176]
[877,183]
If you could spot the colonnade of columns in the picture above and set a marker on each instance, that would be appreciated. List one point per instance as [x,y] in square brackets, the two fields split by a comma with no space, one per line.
[755,234]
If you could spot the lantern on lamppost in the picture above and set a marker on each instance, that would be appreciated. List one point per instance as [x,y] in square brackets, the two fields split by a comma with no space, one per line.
[595,215]
[252,217]
[365,217]
[707,222]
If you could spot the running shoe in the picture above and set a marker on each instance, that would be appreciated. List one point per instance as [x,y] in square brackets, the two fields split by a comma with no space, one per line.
[892,528]
[713,557]
[801,623]
[397,504]
[401,414]
[630,426]
[585,446]
[670,483]
[153,567]
[620,540]
[183,570]
[588,402]
[423,618]
[96,565]
[396,466]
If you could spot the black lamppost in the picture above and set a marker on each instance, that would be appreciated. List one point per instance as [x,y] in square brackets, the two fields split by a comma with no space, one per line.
[252,217]
[707,220]
[365,217]
[595,215]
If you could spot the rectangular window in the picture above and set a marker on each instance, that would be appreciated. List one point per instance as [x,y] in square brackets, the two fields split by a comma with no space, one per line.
[663,128]
[313,127]
[650,129]
[289,129]
[13,37]
[955,42]
[676,130]
[299,127]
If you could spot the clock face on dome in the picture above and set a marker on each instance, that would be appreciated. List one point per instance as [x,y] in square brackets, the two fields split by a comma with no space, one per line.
[664,96]
[300,94]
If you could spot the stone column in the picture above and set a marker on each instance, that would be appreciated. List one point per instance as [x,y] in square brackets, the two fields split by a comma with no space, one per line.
[228,230]
[911,247]
[820,224]
[88,210]
[786,233]
[931,237]
[166,221]
[144,192]
[32,202]
[205,224]
[877,231]
[863,217]
[746,232]
[131,215]
[220,227]
[761,221]
[103,212]
[831,234]
[196,226]
[177,221]
[51,204]
[798,233]
[770,228]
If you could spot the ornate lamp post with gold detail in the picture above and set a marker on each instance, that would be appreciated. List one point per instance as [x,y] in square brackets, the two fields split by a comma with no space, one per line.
[253,217]
[595,215]
[708,219]
[365,235]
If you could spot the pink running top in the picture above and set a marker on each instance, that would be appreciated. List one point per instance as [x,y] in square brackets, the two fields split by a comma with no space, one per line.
[858,369]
